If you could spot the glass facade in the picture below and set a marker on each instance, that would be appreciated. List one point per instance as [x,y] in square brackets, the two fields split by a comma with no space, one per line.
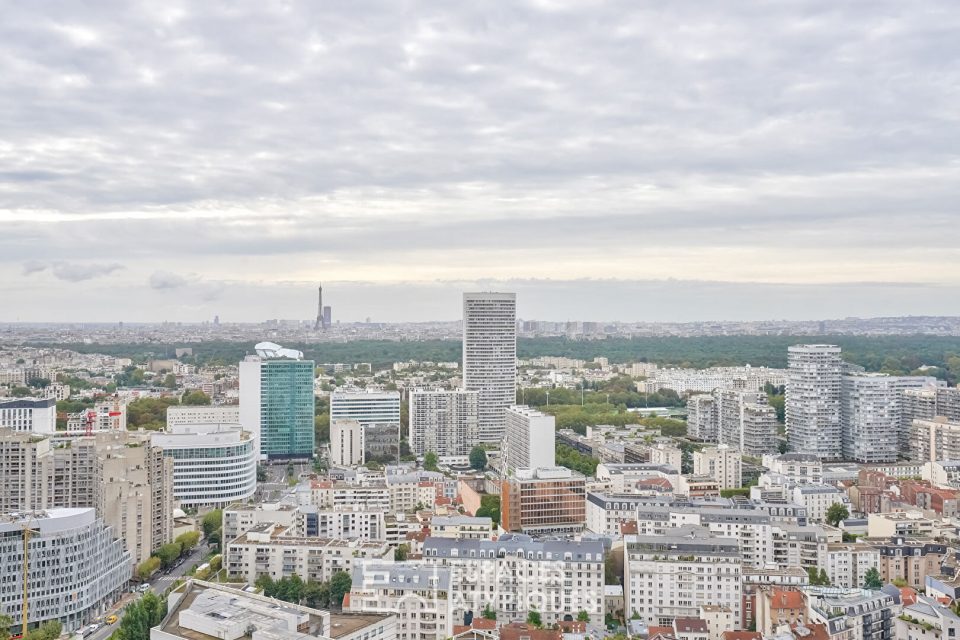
[286,408]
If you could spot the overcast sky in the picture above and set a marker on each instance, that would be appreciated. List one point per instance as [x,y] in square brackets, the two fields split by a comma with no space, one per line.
[607,160]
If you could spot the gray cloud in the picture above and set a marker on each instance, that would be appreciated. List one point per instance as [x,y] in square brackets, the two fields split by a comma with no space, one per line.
[34,266]
[804,142]
[76,272]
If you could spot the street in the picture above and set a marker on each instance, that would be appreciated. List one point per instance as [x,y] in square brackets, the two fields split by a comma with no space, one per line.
[158,586]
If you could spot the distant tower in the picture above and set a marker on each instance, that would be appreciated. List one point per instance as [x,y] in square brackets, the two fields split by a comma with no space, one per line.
[327,317]
[319,324]
[216,320]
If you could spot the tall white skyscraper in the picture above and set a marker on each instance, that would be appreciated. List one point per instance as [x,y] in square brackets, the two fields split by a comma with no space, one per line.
[443,421]
[529,441]
[813,400]
[490,357]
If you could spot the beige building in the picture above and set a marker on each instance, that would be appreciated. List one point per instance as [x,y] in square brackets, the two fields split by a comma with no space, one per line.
[541,501]
[722,463]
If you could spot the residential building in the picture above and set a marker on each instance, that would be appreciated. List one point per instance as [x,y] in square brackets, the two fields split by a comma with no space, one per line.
[909,559]
[869,613]
[328,494]
[271,549]
[345,523]
[661,453]
[927,619]
[936,439]
[915,404]
[529,434]
[776,606]
[240,517]
[418,596]
[543,501]
[671,576]
[899,523]
[796,468]
[213,464]
[347,446]
[366,407]
[444,421]
[702,418]
[871,416]
[813,400]
[29,415]
[818,498]
[722,463]
[847,564]
[462,527]
[490,357]
[516,572]
[76,567]
[277,405]
[745,421]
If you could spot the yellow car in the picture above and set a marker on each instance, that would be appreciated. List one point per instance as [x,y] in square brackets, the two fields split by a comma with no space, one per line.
[111,619]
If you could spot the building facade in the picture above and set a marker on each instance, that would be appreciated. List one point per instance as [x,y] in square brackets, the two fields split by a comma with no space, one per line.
[277,406]
[29,415]
[366,407]
[529,434]
[419,597]
[444,421]
[347,443]
[813,400]
[544,501]
[490,357]
[722,463]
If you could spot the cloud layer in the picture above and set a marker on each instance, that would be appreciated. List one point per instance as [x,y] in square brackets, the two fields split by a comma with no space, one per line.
[197,144]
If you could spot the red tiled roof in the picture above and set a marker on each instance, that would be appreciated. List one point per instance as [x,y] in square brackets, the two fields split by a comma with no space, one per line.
[742,635]
[783,599]
[690,625]
[908,596]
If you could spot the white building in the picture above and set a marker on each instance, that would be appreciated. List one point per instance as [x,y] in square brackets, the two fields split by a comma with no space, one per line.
[418,596]
[75,566]
[847,563]
[936,439]
[818,498]
[722,463]
[366,407]
[466,527]
[444,421]
[661,453]
[347,445]
[213,464]
[672,576]
[798,468]
[269,549]
[516,572]
[241,517]
[702,418]
[345,523]
[32,415]
[813,400]
[490,357]
[203,414]
[529,436]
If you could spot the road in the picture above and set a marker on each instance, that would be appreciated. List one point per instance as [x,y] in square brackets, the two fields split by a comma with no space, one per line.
[158,586]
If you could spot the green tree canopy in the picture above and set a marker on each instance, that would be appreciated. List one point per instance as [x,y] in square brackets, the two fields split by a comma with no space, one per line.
[478,458]
[488,612]
[195,398]
[340,584]
[872,580]
[188,540]
[430,461]
[837,513]
[212,521]
[168,553]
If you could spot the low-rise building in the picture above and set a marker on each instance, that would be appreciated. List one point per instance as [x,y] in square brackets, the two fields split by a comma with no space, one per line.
[29,415]
[464,527]
[419,597]
[722,463]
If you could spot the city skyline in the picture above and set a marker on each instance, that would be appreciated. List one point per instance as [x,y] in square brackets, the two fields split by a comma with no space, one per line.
[169,161]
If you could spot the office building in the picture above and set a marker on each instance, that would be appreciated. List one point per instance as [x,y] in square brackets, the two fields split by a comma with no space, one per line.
[720,463]
[213,464]
[529,436]
[671,576]
[444,422]
[75,566]
[366,407]
[544,501]
[813,400]
[347,447]
[277,405]
[203,414]
[29,415]
[517,573]
[490,357]
[269,549]
[419,597]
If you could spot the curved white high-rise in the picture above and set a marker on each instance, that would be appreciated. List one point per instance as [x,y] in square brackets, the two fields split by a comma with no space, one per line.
[490,357]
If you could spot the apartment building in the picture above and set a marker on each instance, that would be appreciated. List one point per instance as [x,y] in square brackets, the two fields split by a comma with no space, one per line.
[722,463]
[813,400]
[671,576]
[529,434]
[516,572]
[419,597]
[869,613]
[443,421]
[934,440]
[543,501]
[490,357]
[796,468]
[347,443]
[667,454]
[274,550]
[241,517]
[818,498]
[778,606]
[462,527]
[76,566]
[345,522]
[870,416]
[328,494]
[702,418]
[29,415]
[847,563]
[909,559]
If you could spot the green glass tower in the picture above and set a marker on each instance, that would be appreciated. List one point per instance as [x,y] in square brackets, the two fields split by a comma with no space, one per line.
[277,403]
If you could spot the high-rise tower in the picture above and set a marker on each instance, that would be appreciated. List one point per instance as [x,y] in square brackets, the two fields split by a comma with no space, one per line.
[813,400]
[319,323]
[490,357]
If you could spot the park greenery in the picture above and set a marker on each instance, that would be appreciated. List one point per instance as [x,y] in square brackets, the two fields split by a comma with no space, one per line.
[572,459]
[900,355]
[140,616]
[167,555]
[49,630]
[489,507]
[478,458]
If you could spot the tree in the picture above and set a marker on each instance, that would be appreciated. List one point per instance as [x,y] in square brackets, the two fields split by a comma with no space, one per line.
[47,631]
[583,616]
[818,578]
[141,616]
[148,567]
[488,613]
[195,398]
[5,623]
[170,381]
[823,578]
[533,618]
[20,392]
[872,580]
[168,553]
[401,552]
[188,540]
[316,595]
[430,461]
[478,458]
[836,513]
[265,584]
[39,383]
[212,521]
[261,473]
[490,508]
[340,584]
